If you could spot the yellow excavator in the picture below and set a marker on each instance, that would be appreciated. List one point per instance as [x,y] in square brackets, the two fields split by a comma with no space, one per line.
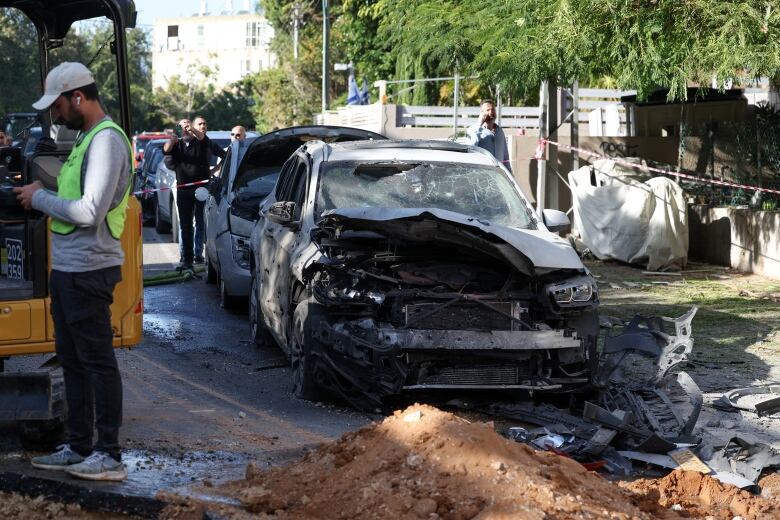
[35,398]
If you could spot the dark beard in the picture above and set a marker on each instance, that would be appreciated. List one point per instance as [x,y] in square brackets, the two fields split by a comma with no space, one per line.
[76,122]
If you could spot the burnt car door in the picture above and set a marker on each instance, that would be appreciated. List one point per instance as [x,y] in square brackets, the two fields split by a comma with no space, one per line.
[283,223]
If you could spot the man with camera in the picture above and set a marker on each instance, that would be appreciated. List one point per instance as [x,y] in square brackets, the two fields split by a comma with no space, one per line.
[188,157]
[488,135]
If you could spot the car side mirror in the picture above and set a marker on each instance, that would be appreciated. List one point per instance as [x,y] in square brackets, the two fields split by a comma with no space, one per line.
[282,213]
[556,220]
[201,194]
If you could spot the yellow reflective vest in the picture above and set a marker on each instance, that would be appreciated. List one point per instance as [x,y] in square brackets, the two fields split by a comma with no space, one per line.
[69,182]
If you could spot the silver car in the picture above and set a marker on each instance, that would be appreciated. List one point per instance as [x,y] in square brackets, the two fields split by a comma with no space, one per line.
[247,176]
[399,266]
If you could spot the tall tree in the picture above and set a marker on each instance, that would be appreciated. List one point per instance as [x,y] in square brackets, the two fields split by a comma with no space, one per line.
[20,80]
[640,44]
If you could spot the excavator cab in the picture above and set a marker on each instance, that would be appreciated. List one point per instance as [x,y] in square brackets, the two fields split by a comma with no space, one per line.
[36,152]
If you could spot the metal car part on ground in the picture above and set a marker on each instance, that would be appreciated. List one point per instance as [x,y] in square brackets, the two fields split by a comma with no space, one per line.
[770,404]
[426,269]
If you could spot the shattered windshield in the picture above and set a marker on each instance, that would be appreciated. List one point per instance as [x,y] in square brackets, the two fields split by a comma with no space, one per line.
[475,190]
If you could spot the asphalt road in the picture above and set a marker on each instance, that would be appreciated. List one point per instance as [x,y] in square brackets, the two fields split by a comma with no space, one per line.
[201,400]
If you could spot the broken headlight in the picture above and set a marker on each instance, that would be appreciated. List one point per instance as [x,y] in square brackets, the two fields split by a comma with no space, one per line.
[577,291]
[241,251]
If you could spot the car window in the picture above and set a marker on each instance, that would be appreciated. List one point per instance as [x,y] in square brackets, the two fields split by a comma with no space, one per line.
[479,191]
[285,178]
[155,159]
[260,180]
[224,172]
[222,143]
[298,191]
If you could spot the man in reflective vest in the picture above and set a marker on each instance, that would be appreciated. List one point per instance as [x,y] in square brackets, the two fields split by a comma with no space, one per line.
[87,218]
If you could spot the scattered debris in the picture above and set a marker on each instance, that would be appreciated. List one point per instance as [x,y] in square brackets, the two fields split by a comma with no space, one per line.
[733,400]
[738,456]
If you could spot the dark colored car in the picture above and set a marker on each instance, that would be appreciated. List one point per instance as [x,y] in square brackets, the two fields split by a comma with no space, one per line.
[146,182]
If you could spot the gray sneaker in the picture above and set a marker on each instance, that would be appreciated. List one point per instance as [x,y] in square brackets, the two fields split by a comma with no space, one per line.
[59,460]
[98,466]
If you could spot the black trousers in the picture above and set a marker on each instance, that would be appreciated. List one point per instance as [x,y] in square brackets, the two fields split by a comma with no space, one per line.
[83,342]
[188,207]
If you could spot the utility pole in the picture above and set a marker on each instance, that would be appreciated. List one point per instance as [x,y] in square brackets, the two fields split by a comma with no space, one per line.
[325,55]
[541,164]
[456,93]
[296,25]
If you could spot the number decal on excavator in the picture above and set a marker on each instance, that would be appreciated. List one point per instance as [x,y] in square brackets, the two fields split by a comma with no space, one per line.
[15,259]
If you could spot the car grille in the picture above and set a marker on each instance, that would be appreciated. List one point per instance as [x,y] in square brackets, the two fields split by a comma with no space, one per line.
[472,375]
[462,316]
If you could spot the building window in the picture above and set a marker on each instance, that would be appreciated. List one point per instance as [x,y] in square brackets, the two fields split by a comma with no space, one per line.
[173,37]
[252,34]
[246,67]
[200,40]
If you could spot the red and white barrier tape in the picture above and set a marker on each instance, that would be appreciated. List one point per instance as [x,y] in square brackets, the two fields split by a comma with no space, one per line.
[187,185]
[650,168]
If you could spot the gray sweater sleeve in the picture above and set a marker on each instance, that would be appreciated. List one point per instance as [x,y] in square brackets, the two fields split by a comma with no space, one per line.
[107,166]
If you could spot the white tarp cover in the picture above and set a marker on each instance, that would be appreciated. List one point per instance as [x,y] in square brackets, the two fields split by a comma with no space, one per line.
[621,217]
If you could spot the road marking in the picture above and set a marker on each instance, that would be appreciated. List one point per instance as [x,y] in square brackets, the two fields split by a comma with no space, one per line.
[311,437]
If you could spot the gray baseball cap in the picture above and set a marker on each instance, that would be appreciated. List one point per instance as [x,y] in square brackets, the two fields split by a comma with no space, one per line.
[63,78]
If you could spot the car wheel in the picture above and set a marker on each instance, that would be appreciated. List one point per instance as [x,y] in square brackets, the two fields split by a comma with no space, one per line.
[226,300]
[160,225]
[257,329]
[211,273]
[174,222]
[302,345]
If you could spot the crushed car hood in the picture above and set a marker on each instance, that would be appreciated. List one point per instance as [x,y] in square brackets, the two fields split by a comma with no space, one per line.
[544,250]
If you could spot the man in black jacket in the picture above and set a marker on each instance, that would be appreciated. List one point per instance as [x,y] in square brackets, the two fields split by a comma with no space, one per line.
[189,158]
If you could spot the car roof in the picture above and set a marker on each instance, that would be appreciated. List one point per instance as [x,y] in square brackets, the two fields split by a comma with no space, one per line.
[225,134]
[407,150]
[58,15]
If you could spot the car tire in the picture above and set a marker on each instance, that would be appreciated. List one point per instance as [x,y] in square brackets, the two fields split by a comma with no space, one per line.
[211,273]
[159,224]
[257,329]
[174,222]
[302,347]
[227,300]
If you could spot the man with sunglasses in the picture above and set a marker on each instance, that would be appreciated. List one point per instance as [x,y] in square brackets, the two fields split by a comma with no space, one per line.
[238,133]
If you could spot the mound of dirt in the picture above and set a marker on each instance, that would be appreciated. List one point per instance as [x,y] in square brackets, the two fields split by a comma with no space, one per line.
[702,496]
[426,463]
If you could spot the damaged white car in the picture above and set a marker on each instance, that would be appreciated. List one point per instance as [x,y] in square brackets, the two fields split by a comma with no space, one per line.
[387,267]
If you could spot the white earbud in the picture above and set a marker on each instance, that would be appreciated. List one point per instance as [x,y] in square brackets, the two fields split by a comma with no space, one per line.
[78,100]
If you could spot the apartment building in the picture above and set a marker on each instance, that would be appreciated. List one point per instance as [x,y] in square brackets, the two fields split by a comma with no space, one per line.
[231,42]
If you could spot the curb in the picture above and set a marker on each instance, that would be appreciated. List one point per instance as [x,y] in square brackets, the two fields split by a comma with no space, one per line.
[101,500]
